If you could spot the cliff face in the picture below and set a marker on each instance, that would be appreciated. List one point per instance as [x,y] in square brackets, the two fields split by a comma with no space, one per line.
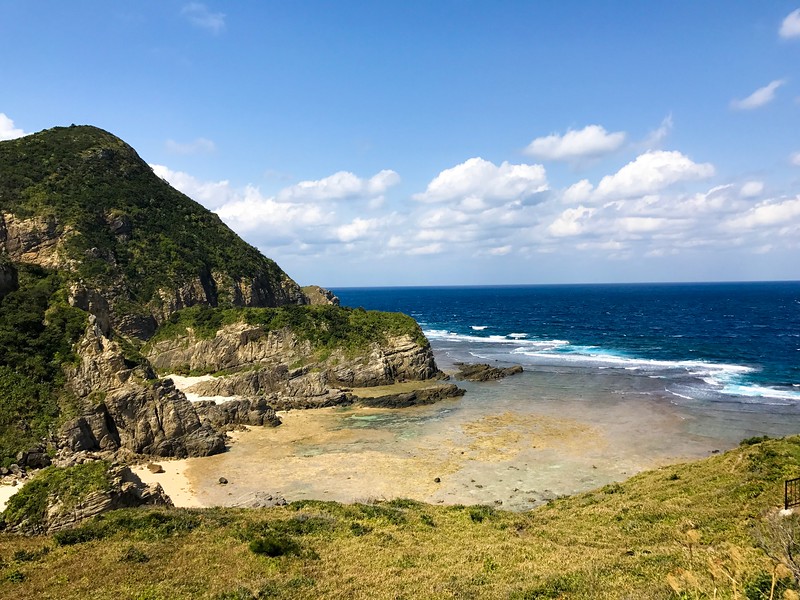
[265,362]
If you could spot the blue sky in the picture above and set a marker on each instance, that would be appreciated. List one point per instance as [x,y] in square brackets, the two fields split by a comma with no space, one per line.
[446,142]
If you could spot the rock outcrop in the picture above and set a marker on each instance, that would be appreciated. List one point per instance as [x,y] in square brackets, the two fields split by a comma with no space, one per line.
[484,372]
[125,490]
[318,295]
[124,407]
[243,346]
[246,411]
[428,395]
[37,240]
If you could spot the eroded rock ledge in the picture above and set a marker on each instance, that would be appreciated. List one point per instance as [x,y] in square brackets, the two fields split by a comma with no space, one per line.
[484,372]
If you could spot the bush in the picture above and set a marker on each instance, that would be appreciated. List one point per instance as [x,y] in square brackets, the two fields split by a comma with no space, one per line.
[273,545]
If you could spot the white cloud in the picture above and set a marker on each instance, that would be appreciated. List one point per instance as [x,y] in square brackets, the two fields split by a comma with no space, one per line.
[571,222]
[591,141]
[210,194]
[357,229]
[340,186]
[790,27]
[7,129]
[752,189]
[199,15]
[254,212]
[760,97]
[768,213]
[578,192]
[651,172]
[198,146]
[477,178]
[795,159]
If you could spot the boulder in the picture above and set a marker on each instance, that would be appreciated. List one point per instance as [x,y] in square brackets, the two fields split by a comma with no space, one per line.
[246,411]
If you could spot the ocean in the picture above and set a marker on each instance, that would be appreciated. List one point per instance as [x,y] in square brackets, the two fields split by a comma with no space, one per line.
[732,342]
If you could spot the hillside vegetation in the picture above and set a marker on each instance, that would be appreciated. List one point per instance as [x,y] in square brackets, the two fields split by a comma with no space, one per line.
[122,224]
[685,531]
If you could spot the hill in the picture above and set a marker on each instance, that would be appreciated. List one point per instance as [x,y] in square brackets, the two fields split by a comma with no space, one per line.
[99,255]
[80,200]
[696,530]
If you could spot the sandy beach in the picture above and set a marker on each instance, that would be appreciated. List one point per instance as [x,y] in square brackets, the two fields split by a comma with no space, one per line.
[485,448]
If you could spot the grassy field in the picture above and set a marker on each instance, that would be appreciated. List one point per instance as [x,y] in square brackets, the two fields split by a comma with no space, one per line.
[684,531]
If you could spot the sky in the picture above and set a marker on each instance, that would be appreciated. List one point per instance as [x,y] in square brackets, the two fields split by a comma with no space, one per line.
[445,142]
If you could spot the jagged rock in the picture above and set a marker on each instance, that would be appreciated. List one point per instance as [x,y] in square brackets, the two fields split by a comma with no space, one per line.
[247,411]
[484,372]
[34,458]
[319,295]
[263,500]
[92,302]
[428,395]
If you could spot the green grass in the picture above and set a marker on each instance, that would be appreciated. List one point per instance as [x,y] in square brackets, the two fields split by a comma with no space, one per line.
[327,328]
[654,537]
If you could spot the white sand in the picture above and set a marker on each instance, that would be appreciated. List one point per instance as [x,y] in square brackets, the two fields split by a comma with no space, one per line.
[6,491]
[183,383]
[173,480]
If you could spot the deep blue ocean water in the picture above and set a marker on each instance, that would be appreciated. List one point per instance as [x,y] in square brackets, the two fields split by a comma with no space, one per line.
[736,342]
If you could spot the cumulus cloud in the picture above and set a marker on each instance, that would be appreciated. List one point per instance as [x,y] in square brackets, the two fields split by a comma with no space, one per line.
[199,15]
[790,27]
[340,186]
[357,229]
[578,192]
[210,194]
[651,172]
[768,213]
[760,97]
[571,222]
[199,146]
[480,179]
[591,141]
[7,129]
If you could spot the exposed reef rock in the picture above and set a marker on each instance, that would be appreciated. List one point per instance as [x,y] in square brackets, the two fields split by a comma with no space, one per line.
[483,372]
[429,395]
[247,411]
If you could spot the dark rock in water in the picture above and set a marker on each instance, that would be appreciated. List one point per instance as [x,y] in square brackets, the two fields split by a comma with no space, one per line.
[428,395]
[484,372]
[247,411]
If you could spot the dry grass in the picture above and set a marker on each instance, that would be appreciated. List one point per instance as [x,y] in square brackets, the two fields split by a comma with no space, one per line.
[677,532]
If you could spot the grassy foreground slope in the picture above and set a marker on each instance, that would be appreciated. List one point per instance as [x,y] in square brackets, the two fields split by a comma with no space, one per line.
[685,531]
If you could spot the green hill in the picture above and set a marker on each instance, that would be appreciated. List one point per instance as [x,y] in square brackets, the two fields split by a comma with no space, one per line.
[81,200]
